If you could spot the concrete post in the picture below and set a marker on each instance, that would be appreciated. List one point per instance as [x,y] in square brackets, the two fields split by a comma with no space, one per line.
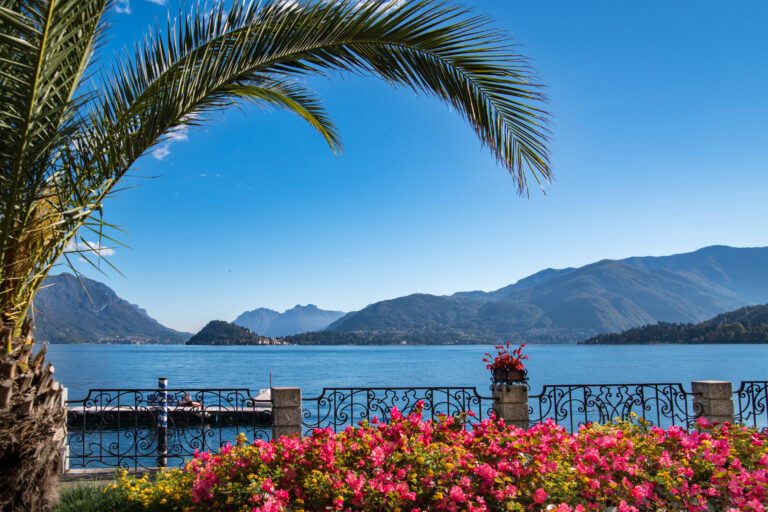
[510,401]
[286,412]
[713,399]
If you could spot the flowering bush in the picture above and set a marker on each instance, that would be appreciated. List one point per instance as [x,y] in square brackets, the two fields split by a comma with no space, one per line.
[415,465]
[506,360]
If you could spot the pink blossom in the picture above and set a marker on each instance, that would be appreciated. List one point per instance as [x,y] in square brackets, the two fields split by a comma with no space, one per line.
[457,495]
[540,496]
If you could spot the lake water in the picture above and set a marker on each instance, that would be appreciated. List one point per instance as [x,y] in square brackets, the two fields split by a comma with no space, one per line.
[80,367]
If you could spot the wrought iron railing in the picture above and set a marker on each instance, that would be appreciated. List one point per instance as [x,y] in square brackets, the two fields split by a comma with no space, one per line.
[751,407]
[119,427]
[662,404]
[338,408]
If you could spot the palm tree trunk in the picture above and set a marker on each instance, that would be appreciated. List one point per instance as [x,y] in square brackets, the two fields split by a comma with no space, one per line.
[32,425]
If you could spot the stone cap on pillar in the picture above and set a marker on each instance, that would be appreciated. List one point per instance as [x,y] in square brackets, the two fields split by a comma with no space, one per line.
[510,392]
[718,389]
[286,397]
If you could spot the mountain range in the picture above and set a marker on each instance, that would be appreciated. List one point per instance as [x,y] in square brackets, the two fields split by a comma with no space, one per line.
[268,322]
[68,310]
[572,304]
[552,306]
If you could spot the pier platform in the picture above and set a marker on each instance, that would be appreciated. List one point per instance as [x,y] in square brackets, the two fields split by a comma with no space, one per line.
[125,415]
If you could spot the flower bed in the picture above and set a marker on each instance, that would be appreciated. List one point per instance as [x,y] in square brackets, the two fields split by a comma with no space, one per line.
[415,465]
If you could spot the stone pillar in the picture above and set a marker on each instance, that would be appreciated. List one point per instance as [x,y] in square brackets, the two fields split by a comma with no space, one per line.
[286,412]
[510,401]
[713,399]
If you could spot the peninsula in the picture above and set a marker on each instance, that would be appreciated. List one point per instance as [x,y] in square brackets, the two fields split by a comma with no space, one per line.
[219,332]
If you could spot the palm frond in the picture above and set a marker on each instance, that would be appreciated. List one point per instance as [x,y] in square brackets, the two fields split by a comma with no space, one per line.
[428,46]
[290,96]
[46,47]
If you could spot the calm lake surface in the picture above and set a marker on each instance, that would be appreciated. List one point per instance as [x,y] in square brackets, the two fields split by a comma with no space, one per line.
[81,367]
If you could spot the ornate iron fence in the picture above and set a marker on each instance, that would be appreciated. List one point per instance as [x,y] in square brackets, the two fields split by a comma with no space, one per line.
[662,404]
[119,427]
[338,408]
[751,406]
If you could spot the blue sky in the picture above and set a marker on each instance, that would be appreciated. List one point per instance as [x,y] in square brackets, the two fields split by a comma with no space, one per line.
[660,146]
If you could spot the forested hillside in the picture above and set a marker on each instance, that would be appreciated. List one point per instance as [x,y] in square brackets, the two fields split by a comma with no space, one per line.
[745,325]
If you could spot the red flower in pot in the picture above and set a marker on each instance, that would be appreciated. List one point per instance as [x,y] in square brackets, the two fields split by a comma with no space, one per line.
[507,365]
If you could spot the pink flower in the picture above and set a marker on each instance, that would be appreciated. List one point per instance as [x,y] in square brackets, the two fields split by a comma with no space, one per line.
[624,507]
[457,495]
[540,496]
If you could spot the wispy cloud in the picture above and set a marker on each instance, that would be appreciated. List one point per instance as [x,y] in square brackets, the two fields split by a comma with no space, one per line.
[162,152]
[123,6]
[87,246]
[288,5]
[384,5]
[178,134]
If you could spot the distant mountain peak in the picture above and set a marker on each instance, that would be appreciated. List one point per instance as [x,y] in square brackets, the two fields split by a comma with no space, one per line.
[292,321]
[66,313]
[299,307]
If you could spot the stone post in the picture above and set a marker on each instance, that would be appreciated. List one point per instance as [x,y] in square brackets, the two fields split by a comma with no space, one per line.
[286,412]
[510,401]
[713,399]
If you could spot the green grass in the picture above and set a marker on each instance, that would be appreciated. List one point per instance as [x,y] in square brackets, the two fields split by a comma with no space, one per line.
[88,497]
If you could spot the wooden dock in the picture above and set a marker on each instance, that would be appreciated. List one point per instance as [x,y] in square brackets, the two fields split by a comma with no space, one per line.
[126,415]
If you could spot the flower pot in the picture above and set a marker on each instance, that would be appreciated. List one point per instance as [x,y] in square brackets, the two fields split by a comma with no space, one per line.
[508,375]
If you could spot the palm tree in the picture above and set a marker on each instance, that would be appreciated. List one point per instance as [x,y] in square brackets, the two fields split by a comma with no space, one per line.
[70,130]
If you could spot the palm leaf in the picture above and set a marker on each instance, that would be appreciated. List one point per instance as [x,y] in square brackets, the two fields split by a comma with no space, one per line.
[430,47]
[46,47]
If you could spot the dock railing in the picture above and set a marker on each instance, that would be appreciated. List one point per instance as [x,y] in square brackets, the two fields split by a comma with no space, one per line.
[148,428]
